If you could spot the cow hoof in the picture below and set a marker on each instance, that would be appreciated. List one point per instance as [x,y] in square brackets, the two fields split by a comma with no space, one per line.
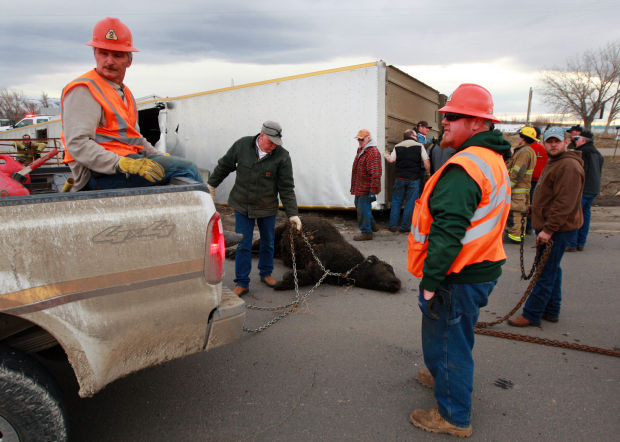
[280,286]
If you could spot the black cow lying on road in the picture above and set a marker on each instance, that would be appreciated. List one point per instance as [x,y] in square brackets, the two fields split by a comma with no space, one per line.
[336,254]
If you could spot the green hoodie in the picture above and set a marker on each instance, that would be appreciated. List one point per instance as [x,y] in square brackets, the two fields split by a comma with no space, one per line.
[452,204]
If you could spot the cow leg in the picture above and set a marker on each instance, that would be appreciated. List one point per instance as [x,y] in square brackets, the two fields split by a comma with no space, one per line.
[307,276]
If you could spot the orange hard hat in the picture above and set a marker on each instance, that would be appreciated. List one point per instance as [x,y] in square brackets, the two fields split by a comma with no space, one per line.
[471,99]
[112,34]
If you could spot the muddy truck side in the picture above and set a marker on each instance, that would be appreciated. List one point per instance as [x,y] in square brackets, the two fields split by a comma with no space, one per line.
[119,279]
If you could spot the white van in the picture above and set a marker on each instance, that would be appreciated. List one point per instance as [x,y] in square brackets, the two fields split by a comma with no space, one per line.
[30,119]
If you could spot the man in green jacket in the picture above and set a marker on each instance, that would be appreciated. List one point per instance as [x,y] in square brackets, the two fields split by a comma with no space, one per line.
[455,246]
[264,171]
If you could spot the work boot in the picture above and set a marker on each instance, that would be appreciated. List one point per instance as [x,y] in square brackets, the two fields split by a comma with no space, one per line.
[426,378]
[393,229]
[431,421]
[269,280]
[363,237]
[521,321]
[580,248]
[375,228]
[571,249]
[240,291]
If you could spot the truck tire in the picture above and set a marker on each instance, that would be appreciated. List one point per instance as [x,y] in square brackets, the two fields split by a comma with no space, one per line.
[31,406]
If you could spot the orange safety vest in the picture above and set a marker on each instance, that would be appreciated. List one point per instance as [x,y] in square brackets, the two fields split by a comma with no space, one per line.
[119,135]
[483,237]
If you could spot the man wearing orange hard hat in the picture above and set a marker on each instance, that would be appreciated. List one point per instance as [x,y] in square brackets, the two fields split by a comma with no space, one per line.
[103,144]
[455,247]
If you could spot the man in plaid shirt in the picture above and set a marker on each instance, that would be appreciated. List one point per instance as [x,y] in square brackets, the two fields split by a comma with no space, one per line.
[366,183]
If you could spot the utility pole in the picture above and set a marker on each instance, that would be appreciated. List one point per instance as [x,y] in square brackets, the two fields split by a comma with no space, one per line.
[529,107]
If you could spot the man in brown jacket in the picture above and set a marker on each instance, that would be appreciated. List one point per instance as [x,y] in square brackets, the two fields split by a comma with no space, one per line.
[556,211]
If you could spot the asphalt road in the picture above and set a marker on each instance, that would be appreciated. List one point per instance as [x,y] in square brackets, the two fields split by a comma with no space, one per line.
[342,367]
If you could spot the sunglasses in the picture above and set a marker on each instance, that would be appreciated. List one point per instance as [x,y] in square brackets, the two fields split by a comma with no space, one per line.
[453,117]
[361,139]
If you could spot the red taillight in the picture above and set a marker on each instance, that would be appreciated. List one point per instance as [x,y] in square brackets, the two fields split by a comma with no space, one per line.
[215,251]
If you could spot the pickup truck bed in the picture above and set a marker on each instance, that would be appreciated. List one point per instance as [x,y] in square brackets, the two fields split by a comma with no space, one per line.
[120,279]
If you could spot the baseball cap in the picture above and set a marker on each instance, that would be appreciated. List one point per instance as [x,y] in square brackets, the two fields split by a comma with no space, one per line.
[575,127]
[587,134]
[555,132]
[273,130]
[362,133]
[424,124]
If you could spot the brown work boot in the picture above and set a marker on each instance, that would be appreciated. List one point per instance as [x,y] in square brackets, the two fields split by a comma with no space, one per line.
[363,237]
[426,378]
[269,280]
[240,291]
[520,321]
[431,421]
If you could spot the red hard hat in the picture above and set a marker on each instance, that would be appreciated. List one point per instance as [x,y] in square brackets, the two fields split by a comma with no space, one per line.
[113,35]
[471,99]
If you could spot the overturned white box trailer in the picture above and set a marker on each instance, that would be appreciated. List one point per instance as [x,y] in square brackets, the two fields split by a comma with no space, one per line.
[320,113]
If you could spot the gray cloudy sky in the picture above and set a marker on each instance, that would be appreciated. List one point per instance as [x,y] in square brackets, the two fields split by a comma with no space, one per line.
[188,46]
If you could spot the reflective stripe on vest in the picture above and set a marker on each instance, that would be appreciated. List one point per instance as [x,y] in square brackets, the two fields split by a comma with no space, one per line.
[498,197]
[114,139]
[480,243]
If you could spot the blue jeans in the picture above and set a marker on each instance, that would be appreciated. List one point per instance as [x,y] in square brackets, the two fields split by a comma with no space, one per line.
[173,167]
[578,239]
[407,191]
[447,344]
[546,296]
[243,255]
[364,212]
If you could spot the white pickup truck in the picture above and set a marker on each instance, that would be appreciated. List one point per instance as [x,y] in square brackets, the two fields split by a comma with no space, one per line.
[119,279]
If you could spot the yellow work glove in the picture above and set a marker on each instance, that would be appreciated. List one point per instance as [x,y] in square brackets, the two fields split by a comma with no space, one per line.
[294,220]
[147,169]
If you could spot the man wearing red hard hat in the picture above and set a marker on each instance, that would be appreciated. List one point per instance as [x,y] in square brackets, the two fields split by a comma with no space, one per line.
[455,247]
[103,144]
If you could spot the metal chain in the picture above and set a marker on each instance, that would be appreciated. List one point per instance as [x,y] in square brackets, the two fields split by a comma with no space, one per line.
[289,308]
[530,287]
[545,341]
[481,328]
[536,258]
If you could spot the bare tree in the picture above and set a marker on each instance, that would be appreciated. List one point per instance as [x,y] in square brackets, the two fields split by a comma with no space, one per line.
[13,105]
[45,100]
[586,84]
[614,108]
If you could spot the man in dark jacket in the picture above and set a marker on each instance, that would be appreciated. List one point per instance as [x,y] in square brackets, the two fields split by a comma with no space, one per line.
[411,160]
[556,213]
[593,166]
[264,171]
